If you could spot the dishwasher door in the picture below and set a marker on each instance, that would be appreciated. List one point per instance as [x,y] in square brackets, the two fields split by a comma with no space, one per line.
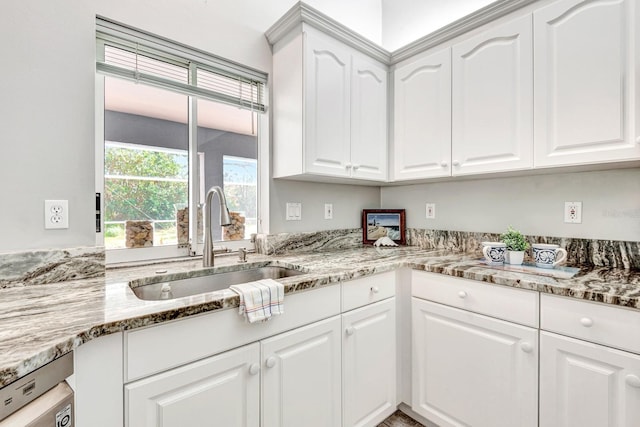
[53,409]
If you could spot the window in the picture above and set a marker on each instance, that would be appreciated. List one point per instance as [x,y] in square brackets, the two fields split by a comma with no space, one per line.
[241,190]
[175,121]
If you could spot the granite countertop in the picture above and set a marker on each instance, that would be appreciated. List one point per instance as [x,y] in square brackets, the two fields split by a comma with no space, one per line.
[40,323]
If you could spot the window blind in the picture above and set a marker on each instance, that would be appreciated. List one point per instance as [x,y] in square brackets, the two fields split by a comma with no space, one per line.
[141,57]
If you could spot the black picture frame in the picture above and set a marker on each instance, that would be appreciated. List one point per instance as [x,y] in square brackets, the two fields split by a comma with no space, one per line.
[378,223]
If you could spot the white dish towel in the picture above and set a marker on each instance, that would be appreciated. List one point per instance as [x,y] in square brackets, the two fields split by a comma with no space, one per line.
[260,300]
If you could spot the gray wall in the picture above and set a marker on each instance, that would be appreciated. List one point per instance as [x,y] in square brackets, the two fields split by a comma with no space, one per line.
[533,204]
[348,202]
[47,114]
[47,137]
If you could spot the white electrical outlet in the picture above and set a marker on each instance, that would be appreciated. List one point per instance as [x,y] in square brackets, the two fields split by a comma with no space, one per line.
[328,211]
[56,214]
[294,211]
[573,212]
[431,210]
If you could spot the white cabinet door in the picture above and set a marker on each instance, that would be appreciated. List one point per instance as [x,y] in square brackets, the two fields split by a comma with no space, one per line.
[327,132]
[493,100]
[587,385]
[368,119]
[301,377]
[585,55]
[422,118]
[221,390]
[472,370]
[369,364]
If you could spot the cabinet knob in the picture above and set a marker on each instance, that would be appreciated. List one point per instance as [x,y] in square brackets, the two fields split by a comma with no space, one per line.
[375,290]
[632,380]
[456,163]
[254,368]
[356,166]
[444,164]
[270,362]
[526,347]
[350,330]
[462,294]
[348,165]
[586,322]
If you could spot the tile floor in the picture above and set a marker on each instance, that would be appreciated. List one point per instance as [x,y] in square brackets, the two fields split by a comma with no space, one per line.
[399,419]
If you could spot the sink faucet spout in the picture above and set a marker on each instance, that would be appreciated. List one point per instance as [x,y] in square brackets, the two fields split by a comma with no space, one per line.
[207,252]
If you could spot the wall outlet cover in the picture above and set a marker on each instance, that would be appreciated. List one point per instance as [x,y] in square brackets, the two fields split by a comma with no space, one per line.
[56,214]
[430,210]
[328,211]
[573,212]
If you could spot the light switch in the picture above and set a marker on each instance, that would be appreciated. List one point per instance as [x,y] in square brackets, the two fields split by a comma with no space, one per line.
[294,211]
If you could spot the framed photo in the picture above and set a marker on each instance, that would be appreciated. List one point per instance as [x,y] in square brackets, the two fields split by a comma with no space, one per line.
[377,223]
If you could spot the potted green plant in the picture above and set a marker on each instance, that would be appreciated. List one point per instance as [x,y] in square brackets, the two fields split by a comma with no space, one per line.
[516,245]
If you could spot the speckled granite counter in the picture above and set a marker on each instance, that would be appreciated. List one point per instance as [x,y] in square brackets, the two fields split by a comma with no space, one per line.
[40,323]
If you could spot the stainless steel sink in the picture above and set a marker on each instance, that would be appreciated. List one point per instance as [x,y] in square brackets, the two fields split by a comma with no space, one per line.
[213,282]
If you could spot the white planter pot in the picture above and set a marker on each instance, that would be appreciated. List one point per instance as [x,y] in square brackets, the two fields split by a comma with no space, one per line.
[514,257]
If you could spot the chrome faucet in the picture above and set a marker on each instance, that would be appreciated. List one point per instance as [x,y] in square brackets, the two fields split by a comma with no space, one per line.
[207,252]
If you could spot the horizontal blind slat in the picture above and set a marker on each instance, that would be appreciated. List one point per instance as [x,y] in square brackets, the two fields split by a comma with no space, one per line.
[185,89]
[135,60]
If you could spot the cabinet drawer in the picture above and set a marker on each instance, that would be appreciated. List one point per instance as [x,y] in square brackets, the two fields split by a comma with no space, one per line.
[612,326]
[161,347]
[359,292]
[515,305]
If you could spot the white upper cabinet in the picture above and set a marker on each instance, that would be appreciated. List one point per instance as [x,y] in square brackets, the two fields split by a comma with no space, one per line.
[493,100]
[327,100]
[368,119]
[330,109]
[585,55]
[422,117]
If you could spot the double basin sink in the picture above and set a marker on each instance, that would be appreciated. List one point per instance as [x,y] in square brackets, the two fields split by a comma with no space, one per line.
[167,290]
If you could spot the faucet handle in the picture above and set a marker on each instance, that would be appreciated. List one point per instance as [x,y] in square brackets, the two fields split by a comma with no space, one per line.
[242,255]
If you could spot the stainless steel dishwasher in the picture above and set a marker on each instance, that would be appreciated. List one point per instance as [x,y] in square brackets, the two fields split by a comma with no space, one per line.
[41,398]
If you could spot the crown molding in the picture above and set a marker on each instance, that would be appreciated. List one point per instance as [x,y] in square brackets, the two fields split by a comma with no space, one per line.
[303,13]
[467,23]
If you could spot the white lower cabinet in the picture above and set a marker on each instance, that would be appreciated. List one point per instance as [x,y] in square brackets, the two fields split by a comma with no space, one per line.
[587,385]
[220,390]
[472,370]
[301,377]
[369,364]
